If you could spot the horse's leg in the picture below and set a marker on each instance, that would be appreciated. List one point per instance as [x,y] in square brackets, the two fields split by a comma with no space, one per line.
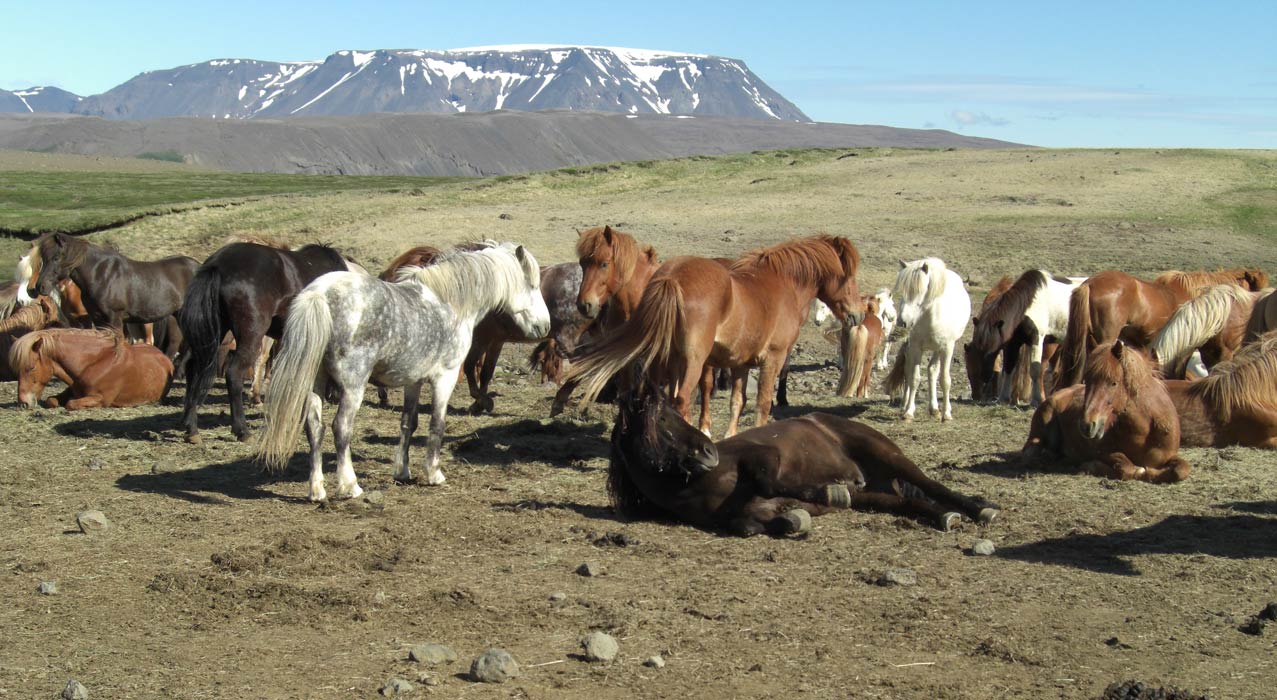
[343,429]
[442,390]
[946,380]
[933,377]
[884,360]
[259,369]
[1035,370]
[486,372]
[903,505]
[407,426]
[148,330]
[473,367]
[740,379]
[707,389]
[782,384]
[238,367]
[314,415]
[913,367]
[767,387]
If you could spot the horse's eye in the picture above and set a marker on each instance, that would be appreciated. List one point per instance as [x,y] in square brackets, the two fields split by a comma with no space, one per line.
[605,266]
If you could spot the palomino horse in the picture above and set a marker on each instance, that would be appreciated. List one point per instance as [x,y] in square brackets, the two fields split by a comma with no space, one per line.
[100,368]
[1214,323]
[858,348]
[243,289]
[752,483]
[41,312]
[347,328]
[1236,404]
[1114,305]
[1035,309]
[1121,423]
[697,313]
[934,309]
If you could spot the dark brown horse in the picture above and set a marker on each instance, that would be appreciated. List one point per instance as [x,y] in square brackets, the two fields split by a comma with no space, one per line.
[1121,423]
[100,368]
[697,313]
[751,483]
[1236,404]
[243,289]
[1114,305]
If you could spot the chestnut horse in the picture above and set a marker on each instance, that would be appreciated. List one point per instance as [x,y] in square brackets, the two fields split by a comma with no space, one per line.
[1236,404]
[858,348]
[1214,323]
[1121,423]
[615,269]
[1114,305]
[39,313]
[100,368]
[696,312]
[753,482]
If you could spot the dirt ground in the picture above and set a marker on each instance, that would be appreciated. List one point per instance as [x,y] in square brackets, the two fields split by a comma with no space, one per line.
[220,581]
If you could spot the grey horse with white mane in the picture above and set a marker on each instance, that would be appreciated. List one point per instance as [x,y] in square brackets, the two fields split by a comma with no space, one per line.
[347,328]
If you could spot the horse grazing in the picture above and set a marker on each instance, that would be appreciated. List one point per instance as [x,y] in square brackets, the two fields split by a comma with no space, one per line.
[1214,323]
[41,312]
[243,289]
[858,348]
[1030,312]
[1121,423]
[347,328]
[100,368]
[696,312]
[1236,404]
[750,484]
[1114,305]
[934,309]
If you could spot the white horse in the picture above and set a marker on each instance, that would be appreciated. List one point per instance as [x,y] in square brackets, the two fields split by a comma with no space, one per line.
[934,308]
[346,328]
[886,316]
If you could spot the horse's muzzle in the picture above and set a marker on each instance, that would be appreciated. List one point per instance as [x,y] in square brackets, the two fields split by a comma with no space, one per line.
[588,309]
[1094,429]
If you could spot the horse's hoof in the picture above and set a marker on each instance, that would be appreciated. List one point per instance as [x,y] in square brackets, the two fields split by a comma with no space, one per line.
[935,413]
[946,418]
[837,496]
[796,521]
[986,516]
[244,437]
[950,520]
[908,418]
[194,439]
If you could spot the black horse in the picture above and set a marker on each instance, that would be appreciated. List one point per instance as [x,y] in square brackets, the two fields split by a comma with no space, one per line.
[244,289]
[754,482]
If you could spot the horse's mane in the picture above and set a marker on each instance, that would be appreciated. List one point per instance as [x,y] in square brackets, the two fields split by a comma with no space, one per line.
[811,260]
[8,299]
[1009,308]
[1134,371]
[999,288]
[42,311]
[74,250]
[1247,380]
[417,256]
[1193,281]
[913,281]
[474,275]
[21,350]
[1198,320]
[256,240]
[626,252]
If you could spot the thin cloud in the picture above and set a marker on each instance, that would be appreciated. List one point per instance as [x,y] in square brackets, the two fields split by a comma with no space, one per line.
[967,118]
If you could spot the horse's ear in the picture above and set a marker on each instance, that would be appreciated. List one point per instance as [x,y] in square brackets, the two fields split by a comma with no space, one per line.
[1118,345]
[607,234]
[923,268]
[651,254]
[999,324]
[903,264]
[521,254]
[580,232]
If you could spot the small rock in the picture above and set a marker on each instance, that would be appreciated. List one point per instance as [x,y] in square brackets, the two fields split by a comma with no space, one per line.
[433,654]
[75,690]
[96,464]
[898,577]
[379,598]
[558,597]
[600,646]
[1126,225]
[589,569]
[47,588]
[655,661]
[376,499]
[494,666]
[505,217]
[983,548]
[396,686]
[91,521]
[428,679]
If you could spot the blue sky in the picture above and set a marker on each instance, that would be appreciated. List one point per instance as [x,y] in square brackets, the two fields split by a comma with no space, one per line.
[1151,74]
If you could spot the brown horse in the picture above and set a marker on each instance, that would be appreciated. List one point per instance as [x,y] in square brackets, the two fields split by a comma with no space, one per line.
[100,368]
[696,312]
[1121,423]
[615,269]
[38,314]
[858,346]
[753,482]
[1215,323]
[1114,305]
[1236,404]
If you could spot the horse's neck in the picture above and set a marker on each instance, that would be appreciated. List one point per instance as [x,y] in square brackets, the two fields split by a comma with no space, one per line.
[631,291]
[75,360]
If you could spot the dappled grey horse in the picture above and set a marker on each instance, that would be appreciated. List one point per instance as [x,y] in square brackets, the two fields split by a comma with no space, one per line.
[347,328]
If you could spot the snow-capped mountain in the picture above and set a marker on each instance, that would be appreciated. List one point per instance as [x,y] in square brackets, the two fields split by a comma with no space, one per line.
[481,79]
[38,99]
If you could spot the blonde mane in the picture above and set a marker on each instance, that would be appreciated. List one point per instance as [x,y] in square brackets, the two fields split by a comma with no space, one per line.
[1249,379]
[921,281]
[1197,321]
[626,252]
[1195,280]
[809,261]
[21,352]
[477,277]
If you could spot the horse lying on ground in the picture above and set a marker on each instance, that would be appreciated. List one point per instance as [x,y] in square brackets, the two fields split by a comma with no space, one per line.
[100,368]
[41,312]
[1236,404]
[934,310]
[1121,423]
[751,483]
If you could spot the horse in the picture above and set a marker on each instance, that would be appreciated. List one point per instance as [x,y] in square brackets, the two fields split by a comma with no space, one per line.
[101,369]
[66,294]
[244,289]
[41,312]
[696,313]
[114,288]
[1263,318]
[1031,311]
[1114,305]
[886,314]
[1120,423]
[858,349]
[1236,404]
[1214,323]
[749,484]
[347,328]
[934,309]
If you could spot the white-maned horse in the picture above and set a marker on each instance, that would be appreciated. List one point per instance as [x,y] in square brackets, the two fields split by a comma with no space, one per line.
[934,308]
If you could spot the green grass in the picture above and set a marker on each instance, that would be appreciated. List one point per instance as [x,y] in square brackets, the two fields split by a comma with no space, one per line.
[170,156]
[32,202]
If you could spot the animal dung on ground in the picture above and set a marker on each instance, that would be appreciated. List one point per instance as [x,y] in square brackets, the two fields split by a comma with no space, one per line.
[600,646]
[494,666]
[91,521]
[655,661]
[558,597]
[433,654]
[898,577]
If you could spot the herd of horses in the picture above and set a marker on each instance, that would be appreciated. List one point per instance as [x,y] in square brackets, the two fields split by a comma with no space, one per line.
[1121,371]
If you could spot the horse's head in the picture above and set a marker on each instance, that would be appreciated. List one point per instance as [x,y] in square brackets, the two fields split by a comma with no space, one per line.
[56,261]
[652,436]
[1115,374]
[607,260]
[32,365]
[840,292]
[526,306]
[886,311]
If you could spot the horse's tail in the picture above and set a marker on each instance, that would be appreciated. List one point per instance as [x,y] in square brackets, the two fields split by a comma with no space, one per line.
[546,360]
[894,384]
[1073,351]
[200,319]
[856,361]
[648,337]
[302,347]
[1189,328]
[1022,377]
